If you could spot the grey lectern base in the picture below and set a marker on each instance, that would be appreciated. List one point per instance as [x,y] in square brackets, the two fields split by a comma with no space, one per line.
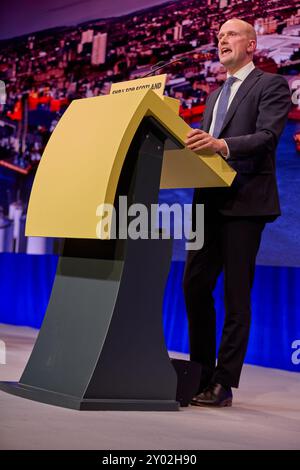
[65,401]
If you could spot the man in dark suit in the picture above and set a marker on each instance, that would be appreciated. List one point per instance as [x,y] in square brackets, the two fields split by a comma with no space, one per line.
[242,122]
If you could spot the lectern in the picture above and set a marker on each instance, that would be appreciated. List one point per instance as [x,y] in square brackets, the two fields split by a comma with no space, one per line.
[101,345]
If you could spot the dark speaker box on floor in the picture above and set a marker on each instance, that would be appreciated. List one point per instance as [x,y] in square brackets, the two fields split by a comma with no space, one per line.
[188,376]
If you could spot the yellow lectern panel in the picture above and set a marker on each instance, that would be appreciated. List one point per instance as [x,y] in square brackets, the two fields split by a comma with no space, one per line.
[82,162]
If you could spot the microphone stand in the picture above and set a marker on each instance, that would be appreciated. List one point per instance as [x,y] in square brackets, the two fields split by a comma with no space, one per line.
[166,64]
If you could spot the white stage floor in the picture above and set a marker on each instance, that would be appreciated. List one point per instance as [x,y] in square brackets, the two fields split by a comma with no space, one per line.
[265,415]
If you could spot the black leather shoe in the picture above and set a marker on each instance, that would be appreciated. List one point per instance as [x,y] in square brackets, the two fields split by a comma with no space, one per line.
[213,395]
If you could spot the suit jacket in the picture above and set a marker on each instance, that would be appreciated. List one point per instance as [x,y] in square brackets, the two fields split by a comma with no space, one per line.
[253,124]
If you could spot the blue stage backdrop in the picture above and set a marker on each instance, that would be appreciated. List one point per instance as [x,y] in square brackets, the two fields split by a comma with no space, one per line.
[26,282]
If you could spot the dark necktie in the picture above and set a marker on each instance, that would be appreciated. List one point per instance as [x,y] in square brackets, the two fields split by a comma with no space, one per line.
[222,105]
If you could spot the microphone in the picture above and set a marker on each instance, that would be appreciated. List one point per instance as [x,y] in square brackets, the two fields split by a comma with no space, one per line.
[162,65]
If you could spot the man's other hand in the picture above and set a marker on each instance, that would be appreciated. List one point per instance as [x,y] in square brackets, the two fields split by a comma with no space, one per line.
[200,140]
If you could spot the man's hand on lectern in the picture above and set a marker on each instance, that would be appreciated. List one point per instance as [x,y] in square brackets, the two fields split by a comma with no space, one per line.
[201,140]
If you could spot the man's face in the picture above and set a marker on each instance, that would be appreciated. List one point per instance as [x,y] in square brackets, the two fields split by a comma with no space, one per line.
[234,44]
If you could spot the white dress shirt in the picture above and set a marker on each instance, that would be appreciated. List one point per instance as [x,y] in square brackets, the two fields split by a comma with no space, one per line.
[241,74]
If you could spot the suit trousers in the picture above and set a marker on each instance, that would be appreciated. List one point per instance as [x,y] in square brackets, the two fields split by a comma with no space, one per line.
[230,245]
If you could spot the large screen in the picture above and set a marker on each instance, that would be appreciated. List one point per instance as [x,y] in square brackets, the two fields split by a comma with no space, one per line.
[54,52]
